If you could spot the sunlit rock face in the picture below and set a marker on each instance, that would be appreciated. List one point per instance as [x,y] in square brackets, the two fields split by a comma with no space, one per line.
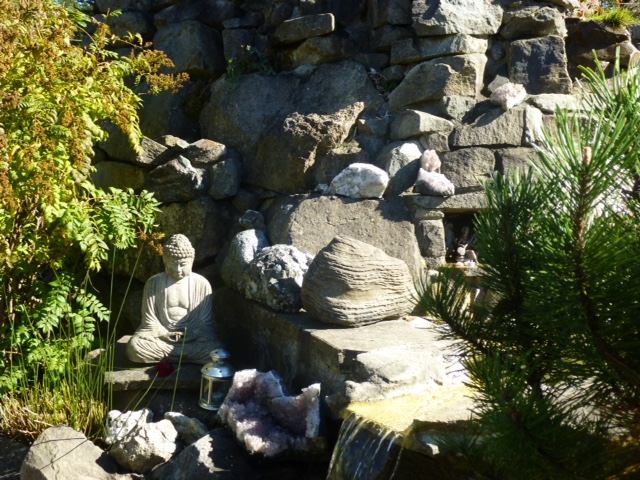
[270,423]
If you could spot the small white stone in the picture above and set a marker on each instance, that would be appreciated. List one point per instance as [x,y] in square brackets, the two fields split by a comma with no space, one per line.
[360,180]
[509,95]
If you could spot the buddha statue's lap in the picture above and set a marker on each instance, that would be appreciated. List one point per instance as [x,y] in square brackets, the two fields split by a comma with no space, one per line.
[177,313]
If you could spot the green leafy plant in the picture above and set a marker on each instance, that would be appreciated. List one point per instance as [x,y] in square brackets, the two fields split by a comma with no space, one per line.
[552,347]
[56,227]
[249,60]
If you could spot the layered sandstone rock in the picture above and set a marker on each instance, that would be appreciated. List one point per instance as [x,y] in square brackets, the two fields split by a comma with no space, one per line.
[352,283]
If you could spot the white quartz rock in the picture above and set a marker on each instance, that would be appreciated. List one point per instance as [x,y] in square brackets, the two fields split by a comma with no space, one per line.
[360,180]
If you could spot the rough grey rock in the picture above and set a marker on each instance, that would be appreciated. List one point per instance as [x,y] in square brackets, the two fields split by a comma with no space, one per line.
[212,13]
[460,203]
[318,118]
[319,50]
[394,371]
[224,178]
[172,112]
[466,168]
[352,283]
[413,123]
[385,36]
[243,248]
[270,423]
[533,126]
[438,142]
[335,161]
[61,452]
[548,102]
[569,4]
[145,446]
[434,79]
[193,47]
[401,160]
[586,36]
[218,456]
[360,180]
[473,17]
[310,222]
[118,148]
[193,219]
[414,50]
[299,29]
[189,429]
[119,175]
[457,106]
[120,424]
[235,43]
[388,12]
[430,234]
[540,64]
[237,117]
[532,22]
[177,181]
[494,127]
[205,152]
[288,151]
[433,183]
[130,22]
[510,159]
[274,277]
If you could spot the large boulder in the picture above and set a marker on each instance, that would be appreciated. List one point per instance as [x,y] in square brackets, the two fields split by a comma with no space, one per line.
[319,118]
[288,151]
[237,117]
[310,222]
[352,283]
[296,120]
[473,17]
[434,79]
[62,452]
[193,47]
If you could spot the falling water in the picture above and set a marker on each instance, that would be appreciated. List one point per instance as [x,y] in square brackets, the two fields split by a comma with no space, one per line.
[365,450]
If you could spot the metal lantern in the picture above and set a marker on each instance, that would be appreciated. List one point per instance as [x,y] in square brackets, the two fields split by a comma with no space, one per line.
[216,380]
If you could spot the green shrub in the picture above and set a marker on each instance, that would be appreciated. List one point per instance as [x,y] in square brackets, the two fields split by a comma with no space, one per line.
[553,348]
[56,227]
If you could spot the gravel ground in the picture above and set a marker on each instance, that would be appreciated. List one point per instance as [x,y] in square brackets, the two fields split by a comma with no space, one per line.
[11,455]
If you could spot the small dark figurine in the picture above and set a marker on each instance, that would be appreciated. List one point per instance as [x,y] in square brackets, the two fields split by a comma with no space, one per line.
[464,253]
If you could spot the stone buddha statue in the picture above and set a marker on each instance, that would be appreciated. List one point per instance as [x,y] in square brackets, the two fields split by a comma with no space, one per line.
[177,315]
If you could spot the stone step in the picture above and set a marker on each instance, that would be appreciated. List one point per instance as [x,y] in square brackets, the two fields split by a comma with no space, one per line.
[135,386]
[369,363]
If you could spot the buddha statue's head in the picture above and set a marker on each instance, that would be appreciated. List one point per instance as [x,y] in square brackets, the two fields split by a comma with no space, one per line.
[178,256]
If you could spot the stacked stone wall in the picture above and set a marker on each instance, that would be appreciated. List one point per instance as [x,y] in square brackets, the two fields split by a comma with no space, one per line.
[284,95]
